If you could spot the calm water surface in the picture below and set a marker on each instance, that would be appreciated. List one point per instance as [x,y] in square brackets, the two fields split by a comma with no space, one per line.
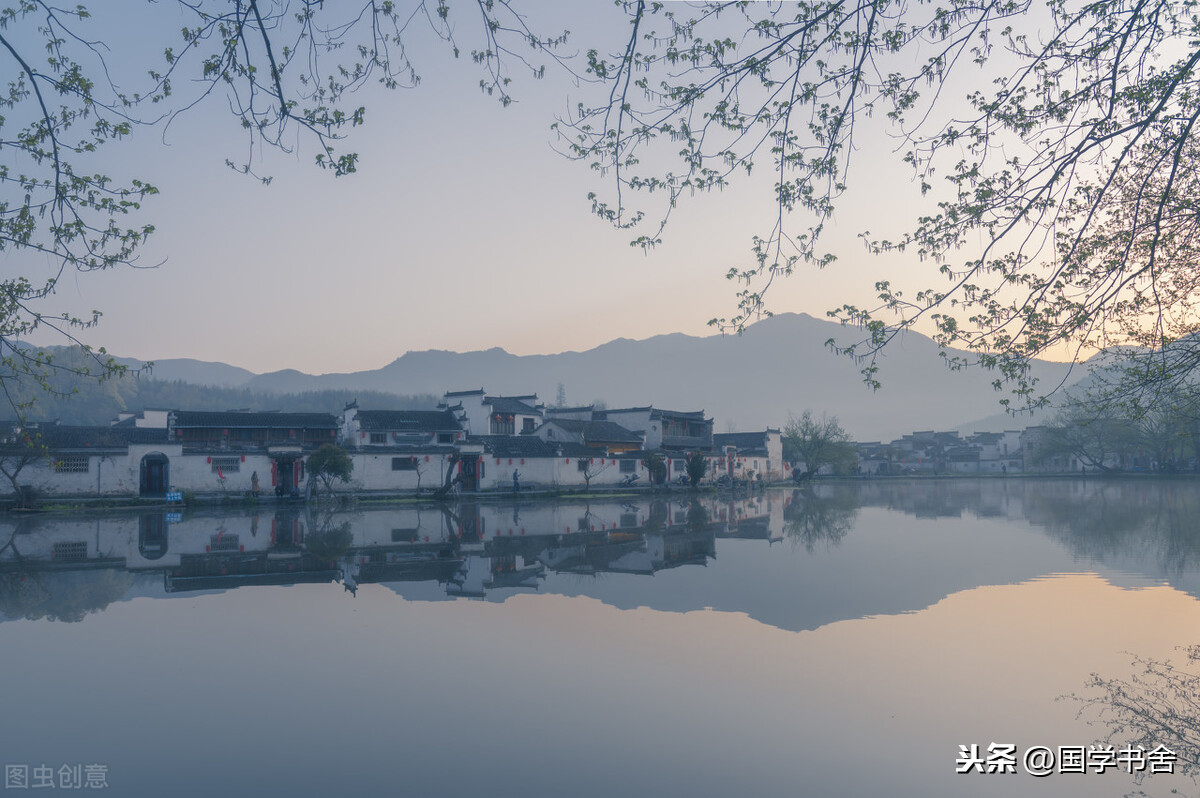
[844,640]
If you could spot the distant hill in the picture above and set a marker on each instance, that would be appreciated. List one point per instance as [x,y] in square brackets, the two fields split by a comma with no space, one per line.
[196,372]
[780,365]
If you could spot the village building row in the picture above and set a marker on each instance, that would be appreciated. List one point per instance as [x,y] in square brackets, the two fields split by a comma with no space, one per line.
[485,442]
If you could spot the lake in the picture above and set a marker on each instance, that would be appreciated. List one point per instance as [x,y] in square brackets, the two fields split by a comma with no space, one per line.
[857,638]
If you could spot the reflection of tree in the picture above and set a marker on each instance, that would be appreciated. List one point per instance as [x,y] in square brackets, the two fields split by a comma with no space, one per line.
[1158,705]
[697,517]
[330,541]
[658,516]
[1106,520]
[813,519]
[66,596]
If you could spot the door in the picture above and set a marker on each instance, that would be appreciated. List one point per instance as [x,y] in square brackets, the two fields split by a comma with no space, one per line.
[155,475]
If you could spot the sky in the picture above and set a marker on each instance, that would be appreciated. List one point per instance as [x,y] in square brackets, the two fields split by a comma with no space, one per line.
[463,229]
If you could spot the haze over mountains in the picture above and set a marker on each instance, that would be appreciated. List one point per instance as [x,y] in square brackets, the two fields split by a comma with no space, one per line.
[780,365]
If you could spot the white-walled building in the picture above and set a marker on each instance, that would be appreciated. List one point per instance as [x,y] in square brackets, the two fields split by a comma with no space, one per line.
[481,414]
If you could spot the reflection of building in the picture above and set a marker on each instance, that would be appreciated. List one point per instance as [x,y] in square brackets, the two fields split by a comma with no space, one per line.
[470,549]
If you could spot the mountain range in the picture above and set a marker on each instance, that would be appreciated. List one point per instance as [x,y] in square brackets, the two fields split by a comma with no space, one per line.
[776,367]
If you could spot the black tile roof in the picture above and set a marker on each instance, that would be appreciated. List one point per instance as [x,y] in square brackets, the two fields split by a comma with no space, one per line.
[190,419]
[742,440]
[690,415]
[582,409]
[408,421]
[511,405]
[597,431]
[512,446]
[61,436]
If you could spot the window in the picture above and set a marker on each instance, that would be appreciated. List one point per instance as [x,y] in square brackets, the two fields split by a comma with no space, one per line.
[445,437]
[378,437]
[629,519]
[73,551]
[404,535]
[71,465]
[527,425]
[404,464]
[228,465]
[502,426]
[582,464]
[223,542]
[628,466]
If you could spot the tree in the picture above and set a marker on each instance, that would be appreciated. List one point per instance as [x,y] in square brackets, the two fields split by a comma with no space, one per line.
[286,72]
[1058,203]
[587,466]
[1155,706]
[818,443]
[329,464]
[696,465]
[1097,436]
[19,449]
[656,467]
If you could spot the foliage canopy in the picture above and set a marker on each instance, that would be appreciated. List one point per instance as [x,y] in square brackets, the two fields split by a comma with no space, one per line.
[1055,143]
[818,442]
[330,464]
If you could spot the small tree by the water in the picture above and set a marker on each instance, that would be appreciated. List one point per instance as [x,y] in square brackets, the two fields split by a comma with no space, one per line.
[328,464]
[656,467]
[697,467]
[818,442]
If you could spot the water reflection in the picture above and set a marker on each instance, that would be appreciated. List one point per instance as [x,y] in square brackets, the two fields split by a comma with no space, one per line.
[762,645]
[66,568]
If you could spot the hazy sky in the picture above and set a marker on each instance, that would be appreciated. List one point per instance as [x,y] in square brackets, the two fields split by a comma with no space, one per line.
[463,229]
